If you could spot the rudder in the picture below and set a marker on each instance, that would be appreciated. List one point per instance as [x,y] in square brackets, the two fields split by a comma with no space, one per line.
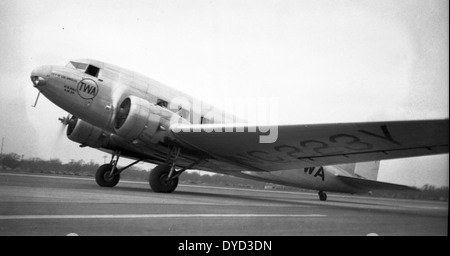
[367,170]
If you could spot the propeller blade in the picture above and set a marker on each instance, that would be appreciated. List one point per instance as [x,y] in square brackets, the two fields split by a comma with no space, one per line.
[36,101]
[65,120]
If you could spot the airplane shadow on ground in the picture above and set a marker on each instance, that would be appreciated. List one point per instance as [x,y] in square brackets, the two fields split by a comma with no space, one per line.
[264,198]
[213,196]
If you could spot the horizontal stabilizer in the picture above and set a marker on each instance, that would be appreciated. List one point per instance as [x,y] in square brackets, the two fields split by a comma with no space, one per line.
[368,185]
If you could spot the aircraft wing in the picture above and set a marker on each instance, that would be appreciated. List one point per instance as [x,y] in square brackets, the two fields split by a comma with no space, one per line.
[299,146]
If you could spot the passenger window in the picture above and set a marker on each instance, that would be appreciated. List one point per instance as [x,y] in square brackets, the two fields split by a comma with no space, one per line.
[92,70]
[162,103]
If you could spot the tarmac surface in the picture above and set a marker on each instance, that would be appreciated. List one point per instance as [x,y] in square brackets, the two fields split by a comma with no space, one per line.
[37,204]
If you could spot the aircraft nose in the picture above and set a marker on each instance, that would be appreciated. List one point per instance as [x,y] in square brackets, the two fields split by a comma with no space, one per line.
[39,75]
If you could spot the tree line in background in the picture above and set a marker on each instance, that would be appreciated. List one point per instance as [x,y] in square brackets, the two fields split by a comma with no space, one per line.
[18,163]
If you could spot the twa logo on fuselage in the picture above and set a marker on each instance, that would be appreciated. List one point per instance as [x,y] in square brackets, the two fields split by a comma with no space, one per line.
[87,89]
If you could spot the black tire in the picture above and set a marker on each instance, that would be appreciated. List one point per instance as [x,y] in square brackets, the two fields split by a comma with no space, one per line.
[158,179]
[322,196]
[102,176]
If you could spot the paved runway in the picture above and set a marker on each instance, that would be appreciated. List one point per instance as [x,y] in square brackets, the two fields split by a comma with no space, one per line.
[32,204]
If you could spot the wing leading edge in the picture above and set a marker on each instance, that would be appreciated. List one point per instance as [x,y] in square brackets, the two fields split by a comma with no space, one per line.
[299,146]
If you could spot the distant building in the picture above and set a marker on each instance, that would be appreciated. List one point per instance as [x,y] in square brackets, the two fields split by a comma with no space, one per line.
[269,186]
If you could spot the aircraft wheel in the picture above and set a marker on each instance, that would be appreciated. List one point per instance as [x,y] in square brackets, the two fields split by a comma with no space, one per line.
[322,196]
[102,176]
[158,179]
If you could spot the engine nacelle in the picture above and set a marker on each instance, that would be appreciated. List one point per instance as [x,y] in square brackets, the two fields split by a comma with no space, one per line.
[138,119]
[85,133]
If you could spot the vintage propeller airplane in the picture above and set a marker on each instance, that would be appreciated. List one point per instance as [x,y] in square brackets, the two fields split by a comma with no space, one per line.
[129,115]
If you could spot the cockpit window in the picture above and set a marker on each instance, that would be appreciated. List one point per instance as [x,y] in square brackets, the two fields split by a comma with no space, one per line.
[84,67]
[92,70]
[77,65]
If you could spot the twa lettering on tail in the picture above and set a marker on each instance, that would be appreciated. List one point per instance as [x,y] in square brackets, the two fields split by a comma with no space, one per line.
[319,173]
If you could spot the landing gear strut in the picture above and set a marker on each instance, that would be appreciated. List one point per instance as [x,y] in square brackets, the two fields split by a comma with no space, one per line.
[108,175]
[163,178]
[322,196]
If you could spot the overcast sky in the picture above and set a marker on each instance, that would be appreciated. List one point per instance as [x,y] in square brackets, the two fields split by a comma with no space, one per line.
[326,61]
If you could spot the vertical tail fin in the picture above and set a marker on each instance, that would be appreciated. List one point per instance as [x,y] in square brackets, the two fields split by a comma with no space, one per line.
[367,170]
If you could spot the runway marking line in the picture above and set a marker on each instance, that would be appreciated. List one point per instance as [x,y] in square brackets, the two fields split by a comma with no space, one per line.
[135,216]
